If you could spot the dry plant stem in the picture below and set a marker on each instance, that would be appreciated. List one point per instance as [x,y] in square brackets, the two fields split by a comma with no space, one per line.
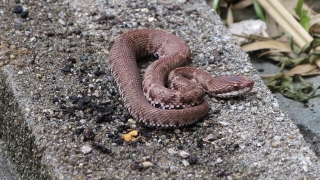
[287,22]
[268,76]
[242,4]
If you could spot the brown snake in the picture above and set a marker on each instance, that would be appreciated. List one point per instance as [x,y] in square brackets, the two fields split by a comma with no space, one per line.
[150,101]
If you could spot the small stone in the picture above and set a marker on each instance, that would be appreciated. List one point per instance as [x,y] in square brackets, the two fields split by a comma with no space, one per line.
[62,22]
[254,108]
[219,160]
[86,149]
[147,164]
[192,160]
[39,76]
[177,131]
[12,56]
[275,144]
[20,72]
[82,121]
[229,178]
[25,13]
[172,168]
[146,158]
[185,162]
[146,10]
[27,110]
[96,93]
[172,151]
[134,24]
[279,119]
[305,168]
[184,154]
[83,58]
[209,138]
[17,9]
[131,121]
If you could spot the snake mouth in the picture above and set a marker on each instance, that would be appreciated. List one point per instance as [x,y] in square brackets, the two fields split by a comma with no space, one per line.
[231,91]
[229,86]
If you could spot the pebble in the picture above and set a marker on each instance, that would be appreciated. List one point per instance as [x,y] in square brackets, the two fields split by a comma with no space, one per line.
[229,178]
[146,10]
[275,144]
[62,22]
[27,110]
[25,13]
[177,131]
[147,164]
[184,154]
[84,58]
[192,160]
[17,9]
[82,121]
[172,151]
[210,137]
[131,121]
[219,160]
[173,168]
[96,93]
[20,72]
[185,162]
[86,149]
[279,119]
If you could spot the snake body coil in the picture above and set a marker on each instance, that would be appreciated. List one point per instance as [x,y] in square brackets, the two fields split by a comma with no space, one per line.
[150,101]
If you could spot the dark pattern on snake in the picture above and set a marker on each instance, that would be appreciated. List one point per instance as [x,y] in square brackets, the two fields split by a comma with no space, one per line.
[150,101]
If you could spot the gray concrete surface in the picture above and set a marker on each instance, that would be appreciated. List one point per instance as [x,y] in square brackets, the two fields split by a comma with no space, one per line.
[7,168]
[62,117]
[305,115]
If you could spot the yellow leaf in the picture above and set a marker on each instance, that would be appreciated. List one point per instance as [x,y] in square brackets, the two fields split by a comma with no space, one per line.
[229,16]
[242,4]
[301,69]
[269,44]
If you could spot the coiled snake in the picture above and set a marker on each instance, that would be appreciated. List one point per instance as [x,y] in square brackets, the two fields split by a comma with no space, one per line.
[150,101]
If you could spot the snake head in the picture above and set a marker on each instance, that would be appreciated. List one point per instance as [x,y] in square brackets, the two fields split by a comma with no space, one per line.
[229,86]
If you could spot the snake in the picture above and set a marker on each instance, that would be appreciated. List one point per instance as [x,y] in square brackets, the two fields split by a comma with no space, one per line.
[171,92]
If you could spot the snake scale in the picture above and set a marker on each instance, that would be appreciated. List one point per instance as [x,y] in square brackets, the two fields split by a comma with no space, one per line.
[150,101]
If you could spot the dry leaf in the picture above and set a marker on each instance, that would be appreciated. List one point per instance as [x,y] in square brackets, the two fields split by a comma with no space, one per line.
[315,20]
[269,44]
[229,16]
[242,4]
[301,69]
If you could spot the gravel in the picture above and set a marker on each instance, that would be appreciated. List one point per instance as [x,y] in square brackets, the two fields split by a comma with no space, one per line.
[63,116]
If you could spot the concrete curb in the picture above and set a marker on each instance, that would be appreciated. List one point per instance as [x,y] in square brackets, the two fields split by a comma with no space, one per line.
[62,117]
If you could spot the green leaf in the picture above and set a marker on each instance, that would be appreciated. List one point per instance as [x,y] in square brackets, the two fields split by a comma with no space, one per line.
[215,4]
[293,87]
[258,10]
[298,9]
[303,14]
